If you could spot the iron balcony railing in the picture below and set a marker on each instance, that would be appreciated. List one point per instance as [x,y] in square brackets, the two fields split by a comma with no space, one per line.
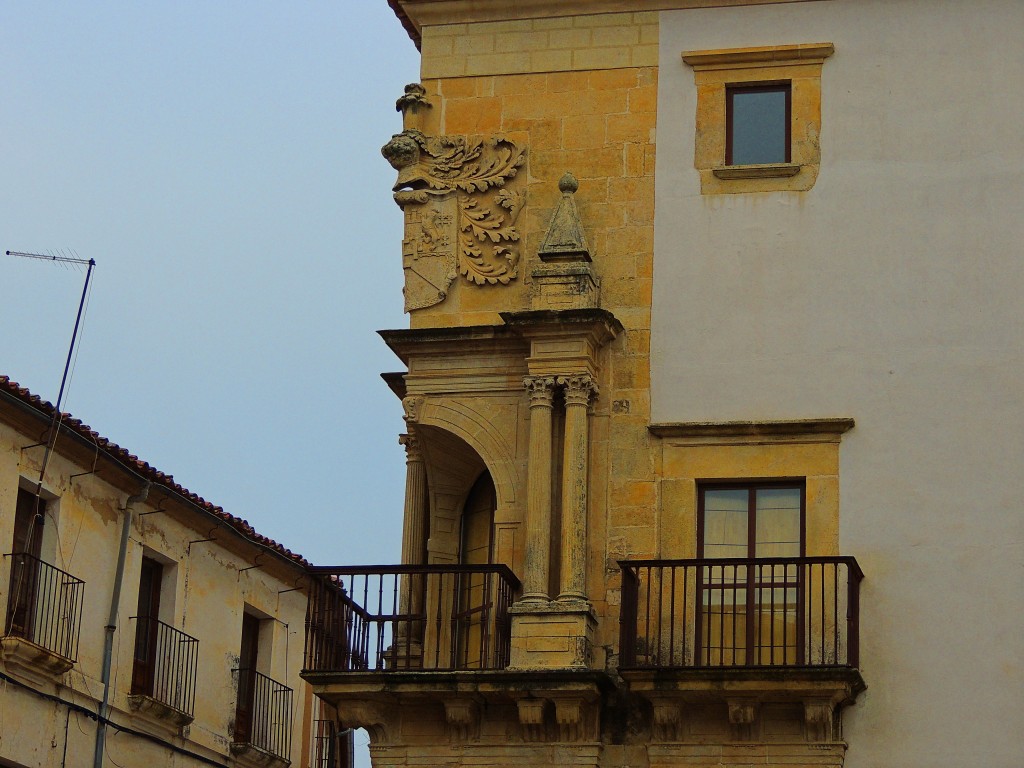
[44,605]
[402,617]
[263,714]
[762,612]
[324,753]
[164,666]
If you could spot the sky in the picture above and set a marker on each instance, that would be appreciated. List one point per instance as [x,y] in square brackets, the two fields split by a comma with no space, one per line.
[221,163]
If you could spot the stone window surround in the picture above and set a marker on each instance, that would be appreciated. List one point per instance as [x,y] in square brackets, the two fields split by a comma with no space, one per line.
[715,70]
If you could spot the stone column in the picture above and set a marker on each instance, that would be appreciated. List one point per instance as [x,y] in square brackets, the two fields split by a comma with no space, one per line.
[407,637]
[413,544]
[579,388]
[538,499]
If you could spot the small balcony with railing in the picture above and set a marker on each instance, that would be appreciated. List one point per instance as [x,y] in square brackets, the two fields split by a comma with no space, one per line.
[44,616]
[386,620]
[741,632]
[263,719]
[163,671]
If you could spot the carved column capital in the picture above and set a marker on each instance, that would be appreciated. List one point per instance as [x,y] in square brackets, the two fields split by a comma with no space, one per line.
[580,388]
[541,390]
[413,452]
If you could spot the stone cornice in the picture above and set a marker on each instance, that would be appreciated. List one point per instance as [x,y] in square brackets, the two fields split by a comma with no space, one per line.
[602,323]
[416,14]
[796,428]
[775,55]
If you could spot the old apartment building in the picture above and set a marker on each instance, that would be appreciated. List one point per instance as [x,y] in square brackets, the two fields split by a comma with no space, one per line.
[711,388]
[143,625]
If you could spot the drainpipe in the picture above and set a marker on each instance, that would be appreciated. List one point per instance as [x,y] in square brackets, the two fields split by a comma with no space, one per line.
[108,639]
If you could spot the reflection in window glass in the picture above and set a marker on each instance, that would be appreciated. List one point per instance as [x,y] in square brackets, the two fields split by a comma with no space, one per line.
[758,125]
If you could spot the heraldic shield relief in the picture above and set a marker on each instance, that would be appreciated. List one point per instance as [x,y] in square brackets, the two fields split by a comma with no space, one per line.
[459,214]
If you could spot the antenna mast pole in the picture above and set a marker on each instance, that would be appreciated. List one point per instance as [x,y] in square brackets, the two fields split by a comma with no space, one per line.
[57,414]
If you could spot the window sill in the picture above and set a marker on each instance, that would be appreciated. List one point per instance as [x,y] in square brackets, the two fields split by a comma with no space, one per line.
[766,171]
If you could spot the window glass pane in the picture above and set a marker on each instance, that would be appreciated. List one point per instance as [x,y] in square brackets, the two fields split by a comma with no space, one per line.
[777,524]
[725,523]
[758,126]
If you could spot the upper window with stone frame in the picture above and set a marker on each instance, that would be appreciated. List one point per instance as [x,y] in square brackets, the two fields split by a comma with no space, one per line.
[758,122]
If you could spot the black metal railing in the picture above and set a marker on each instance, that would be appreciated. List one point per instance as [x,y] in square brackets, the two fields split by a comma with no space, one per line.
[762,612]
[263,713]
[324,753]
[400,617]
[44,605]
[164,665]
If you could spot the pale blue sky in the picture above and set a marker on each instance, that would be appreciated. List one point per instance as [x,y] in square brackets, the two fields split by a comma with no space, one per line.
[220,161]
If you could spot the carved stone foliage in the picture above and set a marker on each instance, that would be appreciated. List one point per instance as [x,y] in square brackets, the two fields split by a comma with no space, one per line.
[459,215]
[580,388]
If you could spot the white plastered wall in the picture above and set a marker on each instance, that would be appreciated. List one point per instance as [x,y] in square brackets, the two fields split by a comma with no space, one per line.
[891,292]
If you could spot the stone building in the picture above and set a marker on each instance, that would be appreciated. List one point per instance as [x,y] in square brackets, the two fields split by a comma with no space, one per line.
[713,451]
[143,626]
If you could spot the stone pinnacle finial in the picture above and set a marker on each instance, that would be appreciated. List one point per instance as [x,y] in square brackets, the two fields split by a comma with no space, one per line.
[565,240]
[411,103]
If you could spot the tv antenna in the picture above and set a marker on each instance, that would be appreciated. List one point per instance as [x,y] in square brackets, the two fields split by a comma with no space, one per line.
[51,438]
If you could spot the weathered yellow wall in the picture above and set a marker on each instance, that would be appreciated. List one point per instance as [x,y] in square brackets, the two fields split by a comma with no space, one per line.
[558,44]
[205,598]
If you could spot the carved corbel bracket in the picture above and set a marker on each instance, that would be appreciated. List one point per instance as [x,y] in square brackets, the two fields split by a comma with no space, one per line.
[412,406]
[667,723]
[743,718]
[576,718]
[532,713]
[819,720]
[463,718]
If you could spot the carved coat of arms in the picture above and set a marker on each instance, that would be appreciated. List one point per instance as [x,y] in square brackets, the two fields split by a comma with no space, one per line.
[459,215]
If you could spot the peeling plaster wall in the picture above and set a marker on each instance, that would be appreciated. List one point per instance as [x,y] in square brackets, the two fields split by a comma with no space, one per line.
[890,293]
[205,597]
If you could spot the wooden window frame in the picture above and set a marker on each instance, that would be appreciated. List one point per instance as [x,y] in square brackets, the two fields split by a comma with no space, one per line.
[731,91]
[752,584]
[752,485]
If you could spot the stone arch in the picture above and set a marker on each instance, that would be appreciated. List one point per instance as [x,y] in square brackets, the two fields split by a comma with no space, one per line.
[480,432]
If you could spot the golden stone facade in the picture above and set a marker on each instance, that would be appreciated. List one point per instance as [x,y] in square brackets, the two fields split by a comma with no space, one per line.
[526,174]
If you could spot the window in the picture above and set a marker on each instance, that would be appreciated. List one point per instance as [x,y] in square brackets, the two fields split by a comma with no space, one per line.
[757,124]
[758,119]
[247,677]
[147,626]
[263,709]
[26,566]
[750,602]
[751,520]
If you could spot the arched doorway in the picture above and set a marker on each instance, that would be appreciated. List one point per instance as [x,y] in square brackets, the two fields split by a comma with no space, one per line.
[474,616]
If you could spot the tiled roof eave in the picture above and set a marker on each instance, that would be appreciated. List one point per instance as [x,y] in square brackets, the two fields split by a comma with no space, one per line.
[12,392]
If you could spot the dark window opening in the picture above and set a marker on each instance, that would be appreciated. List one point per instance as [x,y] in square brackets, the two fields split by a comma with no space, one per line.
[757,124]
[147,627]
[247,677]
[26,571]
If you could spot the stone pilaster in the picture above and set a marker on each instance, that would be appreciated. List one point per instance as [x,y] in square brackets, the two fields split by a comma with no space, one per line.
[536,570]
[579,389]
